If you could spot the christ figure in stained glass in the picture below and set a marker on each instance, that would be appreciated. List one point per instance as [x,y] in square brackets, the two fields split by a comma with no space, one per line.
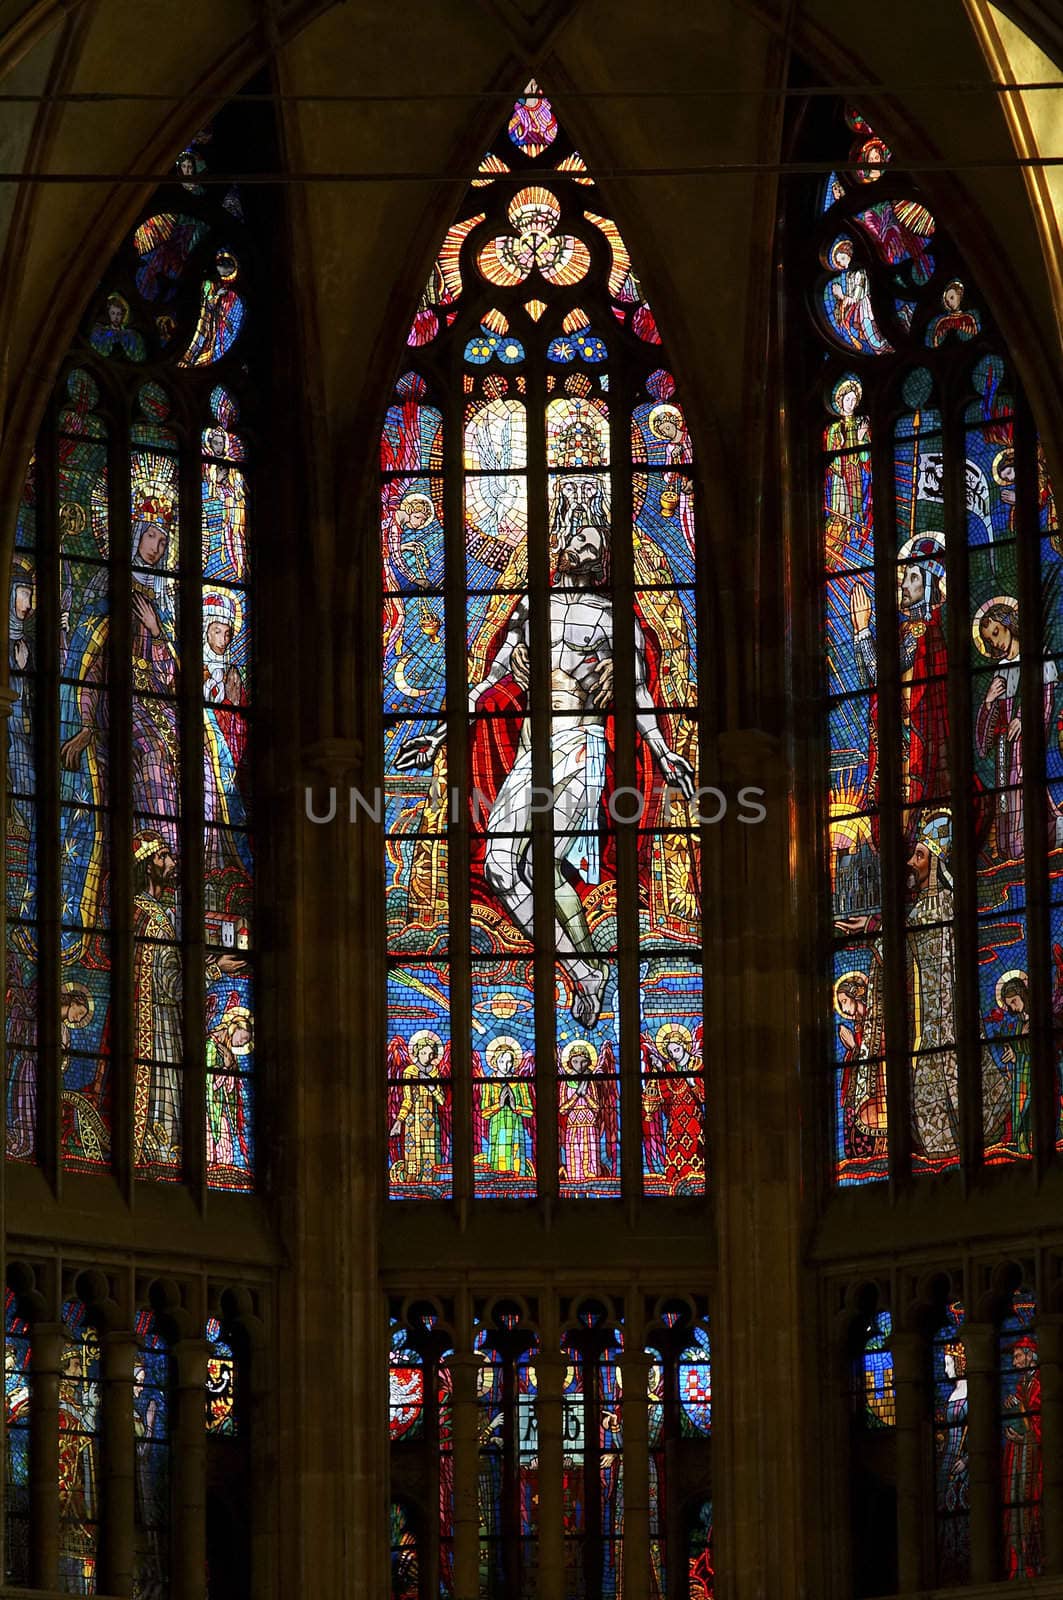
[581,691]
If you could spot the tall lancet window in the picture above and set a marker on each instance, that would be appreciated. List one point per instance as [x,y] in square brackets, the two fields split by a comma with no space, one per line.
[129,959]
[538,548]
[940,563]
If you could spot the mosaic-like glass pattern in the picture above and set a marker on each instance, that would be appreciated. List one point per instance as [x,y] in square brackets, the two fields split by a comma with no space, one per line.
[106,674]
[80,1434]
[1021,1466]
[926,772]
[18,1405]
[151,1481]
[504,597]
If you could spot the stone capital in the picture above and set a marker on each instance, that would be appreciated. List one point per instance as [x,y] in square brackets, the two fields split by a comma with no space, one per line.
[332,760]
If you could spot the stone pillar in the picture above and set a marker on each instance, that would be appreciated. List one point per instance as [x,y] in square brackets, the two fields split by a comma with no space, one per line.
[464,1367]
[759,1358]
[188,1542]
[1050,1358]
[332,1457]
[910,1358]
[550,1374]
[118,1552]
[46,1365]
[635,1372]
[983,1449]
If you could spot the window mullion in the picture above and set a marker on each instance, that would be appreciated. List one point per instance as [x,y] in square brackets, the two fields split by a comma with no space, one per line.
[627,836]
[120,677]
[457,772]
[190,711]
[1043,1091]
[966,1021]
[542,822]
[887,723]
[49,819]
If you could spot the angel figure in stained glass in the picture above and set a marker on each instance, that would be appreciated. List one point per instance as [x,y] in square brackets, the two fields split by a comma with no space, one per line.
[224,513]
[505,1107]
[221,312]
[675,1053]
[422,1113]
[587,1111]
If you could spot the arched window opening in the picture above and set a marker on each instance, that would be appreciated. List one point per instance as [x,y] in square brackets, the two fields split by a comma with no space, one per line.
[872,1452]
[152,1387]
[538,548]
[941,563]
[1021,1465]
[80,1449]
[952,1520]
[534,1433]
[129,960]
[18,1410]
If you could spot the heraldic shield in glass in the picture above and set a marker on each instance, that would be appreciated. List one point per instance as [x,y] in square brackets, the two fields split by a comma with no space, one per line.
[941,564]
[538,547]
[130,628]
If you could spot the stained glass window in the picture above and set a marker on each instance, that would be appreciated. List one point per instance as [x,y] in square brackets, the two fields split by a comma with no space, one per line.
[18,1405]
[539,677]
[938,554]
[129,958]
[1021,1469]
[874,1398]
[221,1383]
[80,1433]
[151,1428]
[952,1521]
[547,1420]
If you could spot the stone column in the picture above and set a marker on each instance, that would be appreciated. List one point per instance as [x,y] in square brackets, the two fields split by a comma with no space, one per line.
[759,1358]
[1050,1359]
[46,1365]
[332,1457]
[550,1376]
[635,1371]
[464,1367]
[910,1358]
[983,1448]
[188,1542]
[118,1356]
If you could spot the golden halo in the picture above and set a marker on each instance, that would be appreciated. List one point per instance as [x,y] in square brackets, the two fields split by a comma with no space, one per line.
[505,1041]
[672,1030]
[415,497]
[847,977]
[1007,454]
[581,1047]
[663,410]
[1006,977]
[844,386]
[424,1036]
[976,623]
[83,994]
[232,603]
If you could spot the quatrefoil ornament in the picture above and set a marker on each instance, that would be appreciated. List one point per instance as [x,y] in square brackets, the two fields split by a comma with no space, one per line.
[534,245]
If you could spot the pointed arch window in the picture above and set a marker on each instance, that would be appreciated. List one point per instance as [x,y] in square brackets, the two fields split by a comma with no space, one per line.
[538,550]
[129,964]
[940,562]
